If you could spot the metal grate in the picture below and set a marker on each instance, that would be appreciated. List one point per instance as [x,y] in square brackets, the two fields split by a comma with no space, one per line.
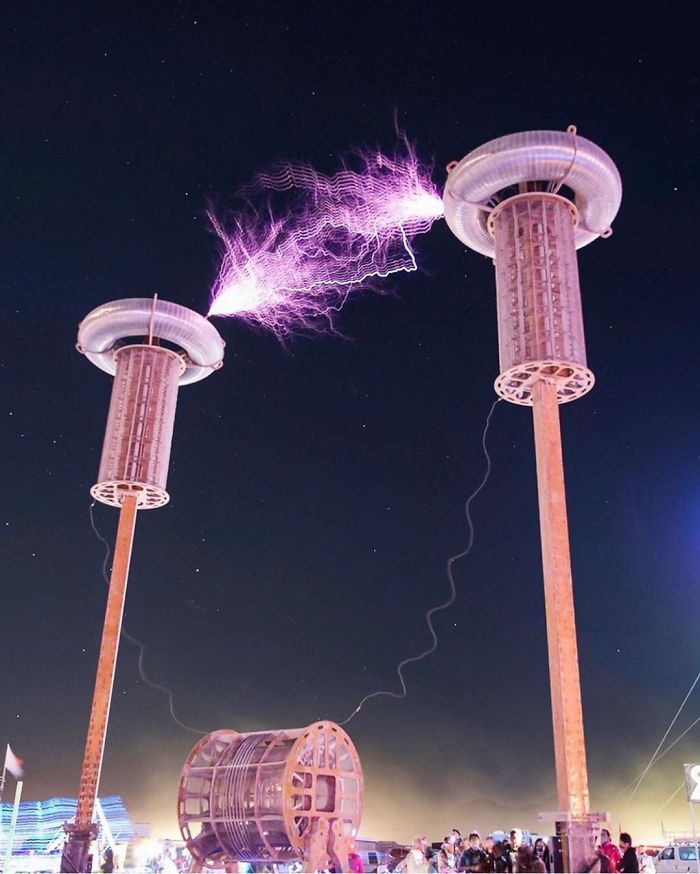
[540,324]
[139,433]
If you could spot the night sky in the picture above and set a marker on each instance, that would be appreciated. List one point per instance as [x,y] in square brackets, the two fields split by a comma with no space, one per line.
[316,491]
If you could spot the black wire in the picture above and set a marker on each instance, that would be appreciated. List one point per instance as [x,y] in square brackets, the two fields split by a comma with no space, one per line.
[453,588]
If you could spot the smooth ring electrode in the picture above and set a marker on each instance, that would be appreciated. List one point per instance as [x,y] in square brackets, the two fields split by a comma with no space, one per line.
[557,157]
[102,331]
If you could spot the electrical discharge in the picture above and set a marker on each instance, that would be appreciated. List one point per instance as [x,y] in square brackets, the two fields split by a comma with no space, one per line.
[290,263]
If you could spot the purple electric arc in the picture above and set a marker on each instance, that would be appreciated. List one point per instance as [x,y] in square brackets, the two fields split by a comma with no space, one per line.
[290,266]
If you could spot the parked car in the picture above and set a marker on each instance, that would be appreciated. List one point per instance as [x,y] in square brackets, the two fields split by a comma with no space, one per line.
[679,857]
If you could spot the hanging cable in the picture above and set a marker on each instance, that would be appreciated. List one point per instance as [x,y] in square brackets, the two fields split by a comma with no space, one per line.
[134,641]
[669,800]
[658,758]
[450,576]
[653,759]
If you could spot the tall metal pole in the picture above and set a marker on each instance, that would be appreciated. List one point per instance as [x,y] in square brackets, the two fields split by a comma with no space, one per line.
[82,831]
[694,827]
[7,867]
[567,715]
[133,474]
[569,191]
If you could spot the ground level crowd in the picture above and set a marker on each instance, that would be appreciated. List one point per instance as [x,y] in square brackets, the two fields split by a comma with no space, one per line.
[513,854]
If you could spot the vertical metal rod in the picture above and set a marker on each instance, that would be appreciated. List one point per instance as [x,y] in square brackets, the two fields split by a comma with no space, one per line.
[99,714]
[7,867]
[694,827]
[567,716]
[150,323]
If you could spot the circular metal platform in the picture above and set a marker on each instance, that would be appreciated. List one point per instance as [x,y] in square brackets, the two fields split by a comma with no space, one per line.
[573,381]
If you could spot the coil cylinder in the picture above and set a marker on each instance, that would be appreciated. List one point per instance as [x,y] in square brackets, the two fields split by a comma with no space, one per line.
[540,323]
[266,796]
[138,438]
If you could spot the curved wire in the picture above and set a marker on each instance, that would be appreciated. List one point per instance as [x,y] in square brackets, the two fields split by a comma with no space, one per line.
[134,641]
[450,576]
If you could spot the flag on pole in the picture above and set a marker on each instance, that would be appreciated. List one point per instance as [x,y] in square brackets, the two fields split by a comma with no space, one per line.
[13,764]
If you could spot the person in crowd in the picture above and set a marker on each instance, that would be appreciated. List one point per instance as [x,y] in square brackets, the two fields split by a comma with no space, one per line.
[523,858]
[501,858]
[629,861]
[446,858]
[416,861]
[167,865]
[541,852]
[107,861]
[538,866]
[473,855]
[514,840]
[488,849]
[457,841]
[646,861]
[608,853]
[355,861]
[507,851]
[431,856]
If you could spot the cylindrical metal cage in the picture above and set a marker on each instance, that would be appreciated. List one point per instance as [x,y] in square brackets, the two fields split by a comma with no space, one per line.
[540,324]
[139,433]
[264,796]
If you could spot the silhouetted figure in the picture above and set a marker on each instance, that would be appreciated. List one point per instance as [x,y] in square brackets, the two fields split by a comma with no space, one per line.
[107,861]
[629,861]
[541,854]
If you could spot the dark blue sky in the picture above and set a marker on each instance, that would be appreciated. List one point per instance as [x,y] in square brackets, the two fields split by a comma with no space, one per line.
[316,492]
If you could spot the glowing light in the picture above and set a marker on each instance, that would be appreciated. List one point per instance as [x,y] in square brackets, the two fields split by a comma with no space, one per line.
[148,849]
[290,267]
[40,823]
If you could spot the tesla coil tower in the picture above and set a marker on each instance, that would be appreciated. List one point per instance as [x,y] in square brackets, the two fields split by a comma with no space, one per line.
[151,347]
[529,201]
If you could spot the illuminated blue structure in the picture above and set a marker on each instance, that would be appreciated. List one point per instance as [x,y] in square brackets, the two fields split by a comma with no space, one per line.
[40,823]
